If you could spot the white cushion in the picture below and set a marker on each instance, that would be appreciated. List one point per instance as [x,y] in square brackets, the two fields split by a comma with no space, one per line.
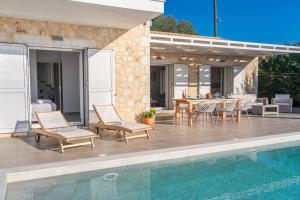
[282,96]
[282,100]
[282,104]
[251,98]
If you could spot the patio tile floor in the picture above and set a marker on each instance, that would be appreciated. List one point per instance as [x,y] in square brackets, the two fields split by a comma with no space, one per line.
[20,151]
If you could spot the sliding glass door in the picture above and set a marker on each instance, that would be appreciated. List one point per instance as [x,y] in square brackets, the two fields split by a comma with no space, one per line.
[217,80]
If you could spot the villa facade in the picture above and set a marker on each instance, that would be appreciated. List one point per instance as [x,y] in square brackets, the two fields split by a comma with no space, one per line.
[48,51]
[108,55]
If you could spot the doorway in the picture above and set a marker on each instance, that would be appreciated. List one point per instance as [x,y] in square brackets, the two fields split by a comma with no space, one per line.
[158,87]
[217,80]
[49,83]
[56,79]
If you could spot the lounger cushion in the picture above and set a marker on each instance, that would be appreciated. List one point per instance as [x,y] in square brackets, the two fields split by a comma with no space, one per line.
[71,132]
[52,120]
[108,114]
[110,119]
[134,126]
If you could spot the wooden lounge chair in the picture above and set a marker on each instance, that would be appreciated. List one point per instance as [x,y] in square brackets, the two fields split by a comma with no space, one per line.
[54,125]
[109,119]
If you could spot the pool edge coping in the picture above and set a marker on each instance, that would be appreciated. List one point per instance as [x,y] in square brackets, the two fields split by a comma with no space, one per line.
[3,184]
[97,163]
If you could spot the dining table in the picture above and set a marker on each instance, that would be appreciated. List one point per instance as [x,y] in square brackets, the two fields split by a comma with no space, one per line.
[190,102]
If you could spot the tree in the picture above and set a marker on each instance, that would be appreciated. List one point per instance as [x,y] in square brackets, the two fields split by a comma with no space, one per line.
[185,27]
[170,24]
[164,24]
[280,74]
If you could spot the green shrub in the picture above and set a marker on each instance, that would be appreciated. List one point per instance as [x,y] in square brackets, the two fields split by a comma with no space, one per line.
[153,110]
[280,74]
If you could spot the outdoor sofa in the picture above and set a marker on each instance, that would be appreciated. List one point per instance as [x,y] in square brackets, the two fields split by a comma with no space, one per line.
[284,102]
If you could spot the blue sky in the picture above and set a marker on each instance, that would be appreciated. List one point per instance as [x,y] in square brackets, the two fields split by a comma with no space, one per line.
[268,21]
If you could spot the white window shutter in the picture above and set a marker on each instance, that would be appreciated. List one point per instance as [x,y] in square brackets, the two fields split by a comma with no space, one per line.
[204,79]
[100,77]
[181,77]
[13,89]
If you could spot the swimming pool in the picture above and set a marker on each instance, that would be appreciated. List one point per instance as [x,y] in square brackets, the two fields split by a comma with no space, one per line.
[264,174]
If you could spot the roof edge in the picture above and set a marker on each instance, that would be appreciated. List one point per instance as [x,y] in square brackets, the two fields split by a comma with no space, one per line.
[215,42]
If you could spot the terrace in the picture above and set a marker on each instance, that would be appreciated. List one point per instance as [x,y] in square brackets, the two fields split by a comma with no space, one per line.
[23,150]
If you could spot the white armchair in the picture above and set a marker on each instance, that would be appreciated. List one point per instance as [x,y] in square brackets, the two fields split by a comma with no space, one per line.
[284,102]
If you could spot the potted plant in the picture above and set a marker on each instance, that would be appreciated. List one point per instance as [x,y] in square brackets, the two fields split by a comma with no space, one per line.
[149,117]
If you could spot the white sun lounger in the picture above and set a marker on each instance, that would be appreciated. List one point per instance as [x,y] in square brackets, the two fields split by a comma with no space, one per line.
[109,119]
[54,125]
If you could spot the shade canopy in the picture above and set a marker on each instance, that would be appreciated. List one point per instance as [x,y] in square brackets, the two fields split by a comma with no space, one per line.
[180,43]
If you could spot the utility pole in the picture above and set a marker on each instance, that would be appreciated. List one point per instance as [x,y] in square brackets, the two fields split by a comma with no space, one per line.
[215,19]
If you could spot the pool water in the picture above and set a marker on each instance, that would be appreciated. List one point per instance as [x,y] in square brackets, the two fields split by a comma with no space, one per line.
[271,174]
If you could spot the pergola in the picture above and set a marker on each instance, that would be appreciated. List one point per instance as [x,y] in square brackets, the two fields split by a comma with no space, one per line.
[180,43]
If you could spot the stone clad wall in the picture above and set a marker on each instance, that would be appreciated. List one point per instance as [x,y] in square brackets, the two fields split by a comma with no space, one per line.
[131,47]
[251,76]
[193,60]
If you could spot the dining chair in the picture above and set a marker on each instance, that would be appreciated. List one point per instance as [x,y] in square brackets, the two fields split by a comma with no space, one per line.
[244,106]
[183,107]
[227,106]
[205,108]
